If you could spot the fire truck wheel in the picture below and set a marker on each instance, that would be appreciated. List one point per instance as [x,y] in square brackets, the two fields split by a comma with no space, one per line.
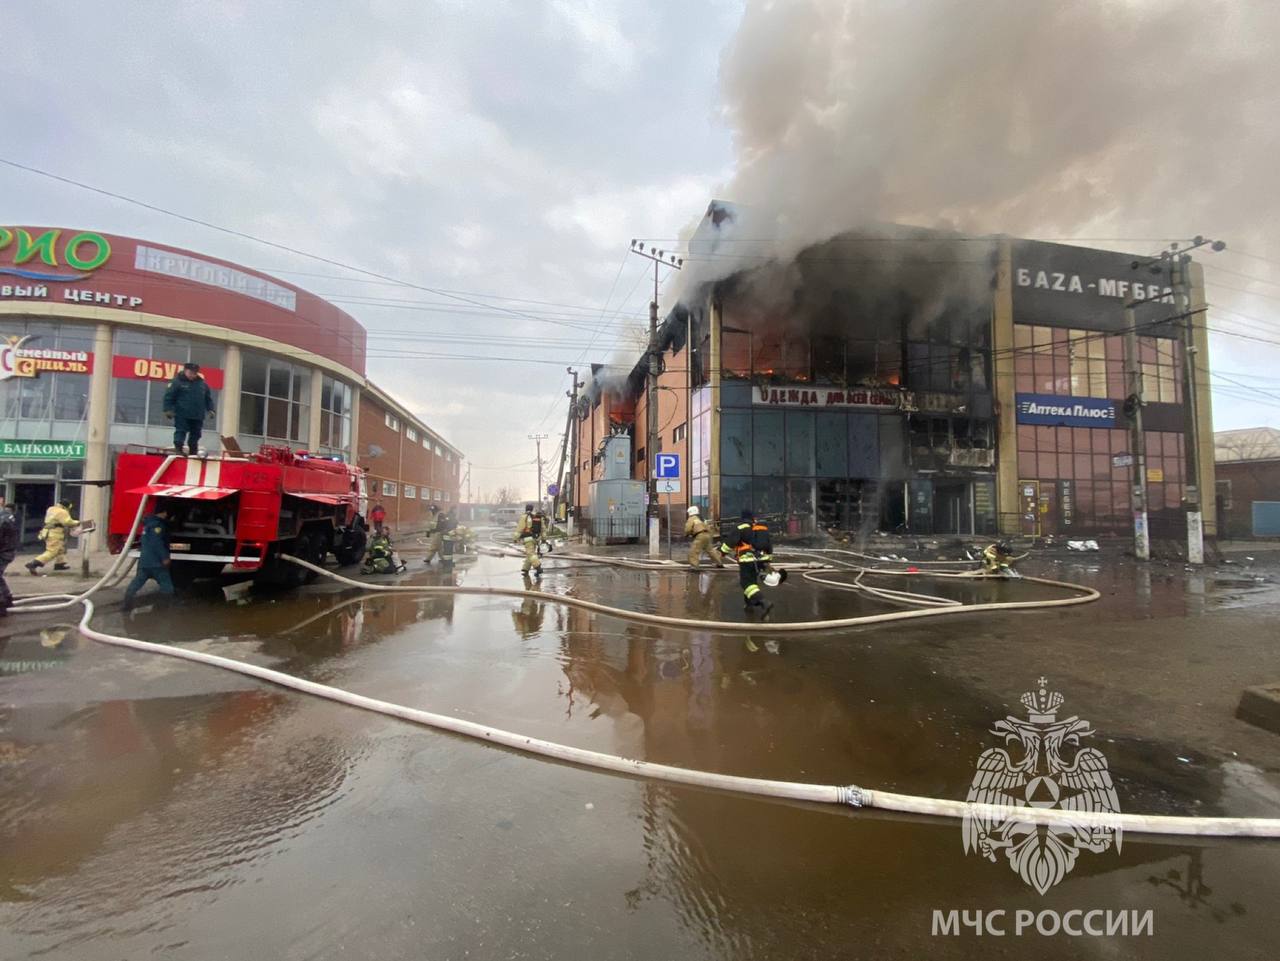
[352,550]
[307,547]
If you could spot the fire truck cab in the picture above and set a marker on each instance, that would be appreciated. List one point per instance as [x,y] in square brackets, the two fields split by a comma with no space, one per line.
[245,510]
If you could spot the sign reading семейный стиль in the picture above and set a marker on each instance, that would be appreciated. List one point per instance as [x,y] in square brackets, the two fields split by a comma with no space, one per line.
[1050,410]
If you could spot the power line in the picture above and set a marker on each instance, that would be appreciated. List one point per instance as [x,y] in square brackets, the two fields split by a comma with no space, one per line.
[258,240]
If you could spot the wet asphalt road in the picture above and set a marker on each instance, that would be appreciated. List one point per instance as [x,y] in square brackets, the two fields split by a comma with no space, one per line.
[154,808]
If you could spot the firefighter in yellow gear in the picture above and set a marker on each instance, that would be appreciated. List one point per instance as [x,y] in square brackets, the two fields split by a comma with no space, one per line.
[699,533]
[435,536]
[529,533]
[57,523]
[997,558]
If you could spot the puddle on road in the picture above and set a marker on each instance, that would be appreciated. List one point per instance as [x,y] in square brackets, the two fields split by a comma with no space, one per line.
[139,813]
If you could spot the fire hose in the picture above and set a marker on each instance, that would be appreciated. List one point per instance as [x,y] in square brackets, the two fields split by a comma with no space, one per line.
[850,795]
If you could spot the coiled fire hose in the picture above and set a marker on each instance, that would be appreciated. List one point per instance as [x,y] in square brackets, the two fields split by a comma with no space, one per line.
[851,795]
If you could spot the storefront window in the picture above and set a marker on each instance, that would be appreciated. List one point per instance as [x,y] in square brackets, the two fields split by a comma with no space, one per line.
[50,404]
[335,416]
[1084,363]
[274,399]
[800,443]
[767,443]
[831,450]
[141,401]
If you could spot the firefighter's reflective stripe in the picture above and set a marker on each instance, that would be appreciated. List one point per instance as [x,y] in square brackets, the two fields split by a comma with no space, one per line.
[746,557]
[750,591]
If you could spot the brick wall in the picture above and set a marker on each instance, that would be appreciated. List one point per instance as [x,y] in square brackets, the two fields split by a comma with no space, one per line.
[1249,481]
[405,462]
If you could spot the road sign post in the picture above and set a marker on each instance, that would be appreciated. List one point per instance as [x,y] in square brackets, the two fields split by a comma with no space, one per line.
[666,471]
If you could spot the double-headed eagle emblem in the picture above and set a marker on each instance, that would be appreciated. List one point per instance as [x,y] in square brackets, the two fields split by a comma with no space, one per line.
[1041,778]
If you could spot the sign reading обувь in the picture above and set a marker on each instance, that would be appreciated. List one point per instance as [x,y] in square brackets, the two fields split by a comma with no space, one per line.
[41,450]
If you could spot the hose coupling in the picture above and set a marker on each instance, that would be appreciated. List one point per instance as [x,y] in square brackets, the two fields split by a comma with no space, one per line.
[851,795]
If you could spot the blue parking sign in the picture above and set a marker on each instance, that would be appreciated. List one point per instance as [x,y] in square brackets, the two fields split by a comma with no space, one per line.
[666,465]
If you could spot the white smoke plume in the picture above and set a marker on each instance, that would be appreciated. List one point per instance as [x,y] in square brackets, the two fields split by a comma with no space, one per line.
[1091,119]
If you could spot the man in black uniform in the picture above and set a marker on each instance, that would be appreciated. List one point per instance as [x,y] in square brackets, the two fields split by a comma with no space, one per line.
[153,557]
[8,547]
[186,401]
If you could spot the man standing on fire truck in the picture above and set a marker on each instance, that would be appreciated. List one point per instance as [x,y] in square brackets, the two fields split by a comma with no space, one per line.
[186,402]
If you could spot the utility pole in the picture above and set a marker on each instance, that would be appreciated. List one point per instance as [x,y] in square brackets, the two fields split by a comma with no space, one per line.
[651,405]
[570,491]
[1137,440]
[471,508]
[538,439]
[1179,261]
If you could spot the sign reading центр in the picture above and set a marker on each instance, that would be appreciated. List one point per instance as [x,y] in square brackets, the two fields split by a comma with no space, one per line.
[1050,410]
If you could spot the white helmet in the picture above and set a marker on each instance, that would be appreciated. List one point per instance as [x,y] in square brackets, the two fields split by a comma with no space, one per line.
[692,511]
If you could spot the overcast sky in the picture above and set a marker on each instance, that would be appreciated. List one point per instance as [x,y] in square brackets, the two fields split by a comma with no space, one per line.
[504,151]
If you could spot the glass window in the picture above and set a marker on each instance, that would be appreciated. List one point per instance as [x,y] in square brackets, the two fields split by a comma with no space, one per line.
[335,416]
[410,490]
[799,459]
[253,374]
[769,496]
[735,494]
[70,396]
[388,489]
[275,399]
[735,443]
[767,442]
[130,405]
[831,447]
[411,434]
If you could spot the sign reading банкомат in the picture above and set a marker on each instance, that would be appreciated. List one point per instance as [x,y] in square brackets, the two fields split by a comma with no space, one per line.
[41,450]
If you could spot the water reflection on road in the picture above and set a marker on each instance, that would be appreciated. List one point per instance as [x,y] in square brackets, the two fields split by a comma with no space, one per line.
[149,806]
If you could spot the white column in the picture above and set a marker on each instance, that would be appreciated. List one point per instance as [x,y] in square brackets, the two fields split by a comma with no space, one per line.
[229,399]
[97,457]
[355,423]
[313,424]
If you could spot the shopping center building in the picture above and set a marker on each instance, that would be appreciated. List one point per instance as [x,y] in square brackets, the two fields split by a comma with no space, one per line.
[94,326]
[900,379]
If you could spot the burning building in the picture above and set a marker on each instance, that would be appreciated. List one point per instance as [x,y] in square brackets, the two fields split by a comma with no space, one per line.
[915,381]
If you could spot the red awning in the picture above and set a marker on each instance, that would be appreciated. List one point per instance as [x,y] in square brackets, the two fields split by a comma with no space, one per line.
[330,499]
[187,491]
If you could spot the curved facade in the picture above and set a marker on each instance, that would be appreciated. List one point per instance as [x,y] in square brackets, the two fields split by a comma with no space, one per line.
[93,327]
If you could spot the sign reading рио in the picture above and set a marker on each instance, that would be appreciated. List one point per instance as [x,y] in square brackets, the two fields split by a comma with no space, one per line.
[28,255]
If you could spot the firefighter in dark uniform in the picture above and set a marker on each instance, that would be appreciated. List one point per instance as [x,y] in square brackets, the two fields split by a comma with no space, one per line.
[9,542]
[186,402]
[754,550]
[153,556]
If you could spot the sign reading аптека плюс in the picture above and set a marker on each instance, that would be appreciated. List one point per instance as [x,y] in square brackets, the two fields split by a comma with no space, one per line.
[1050,410]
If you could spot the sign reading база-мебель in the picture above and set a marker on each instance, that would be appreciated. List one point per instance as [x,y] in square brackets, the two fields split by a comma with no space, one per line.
[41,450]
[1050,410]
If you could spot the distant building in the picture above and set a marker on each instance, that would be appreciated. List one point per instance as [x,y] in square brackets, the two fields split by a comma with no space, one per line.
[1248,487]
[911,380]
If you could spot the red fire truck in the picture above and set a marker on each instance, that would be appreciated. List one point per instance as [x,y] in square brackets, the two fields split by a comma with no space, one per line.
[245,510]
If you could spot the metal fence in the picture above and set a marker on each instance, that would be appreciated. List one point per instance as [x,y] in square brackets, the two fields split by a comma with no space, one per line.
[616,527]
